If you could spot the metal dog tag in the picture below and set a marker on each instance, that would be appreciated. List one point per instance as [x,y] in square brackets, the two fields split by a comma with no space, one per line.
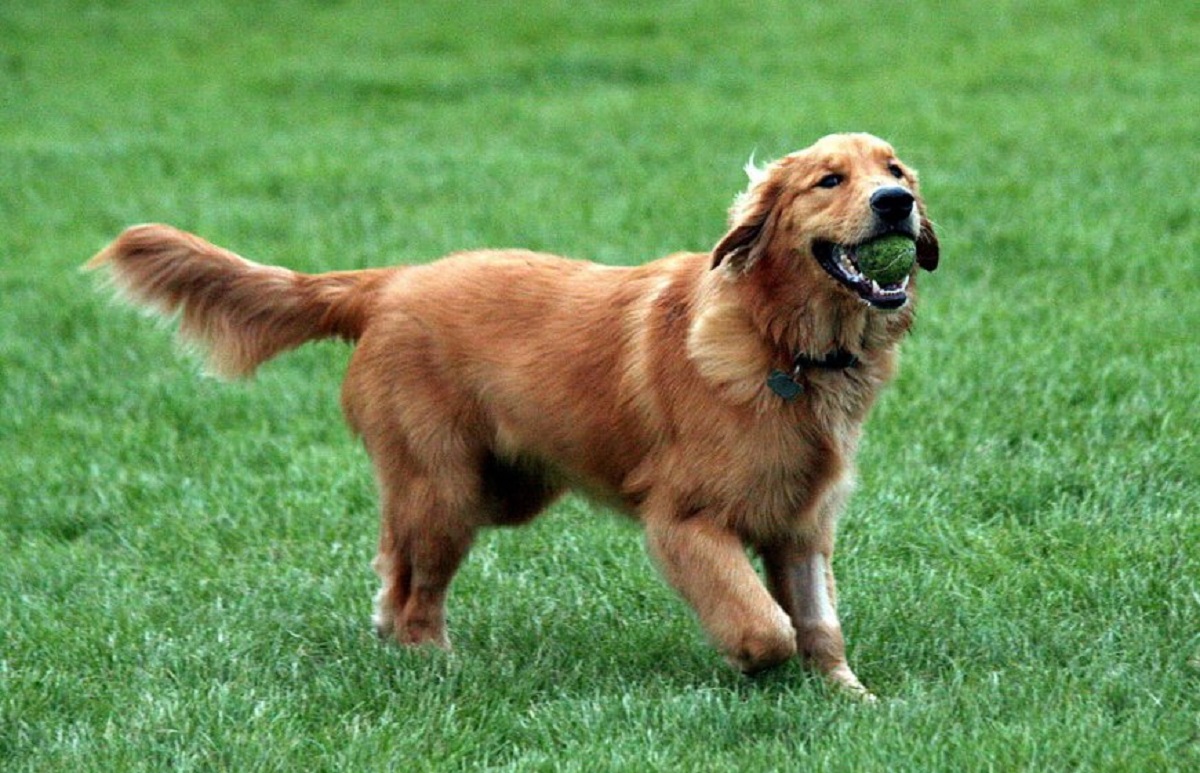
[784,385]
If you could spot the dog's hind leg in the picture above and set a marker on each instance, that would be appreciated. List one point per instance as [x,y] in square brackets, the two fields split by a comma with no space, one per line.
[425,533]
[427,528]
[707,564]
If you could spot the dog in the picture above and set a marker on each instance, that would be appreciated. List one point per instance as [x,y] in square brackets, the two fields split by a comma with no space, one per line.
[716,397]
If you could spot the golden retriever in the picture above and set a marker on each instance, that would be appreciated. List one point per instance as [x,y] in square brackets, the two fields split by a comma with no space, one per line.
[717,397]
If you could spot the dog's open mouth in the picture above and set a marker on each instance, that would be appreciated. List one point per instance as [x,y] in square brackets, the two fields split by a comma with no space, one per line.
[839,261]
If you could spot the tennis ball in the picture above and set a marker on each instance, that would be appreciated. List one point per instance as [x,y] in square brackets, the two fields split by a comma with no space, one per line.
[887,259]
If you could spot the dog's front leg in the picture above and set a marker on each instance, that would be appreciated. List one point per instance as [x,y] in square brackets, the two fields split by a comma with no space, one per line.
[707,564]
[801,578]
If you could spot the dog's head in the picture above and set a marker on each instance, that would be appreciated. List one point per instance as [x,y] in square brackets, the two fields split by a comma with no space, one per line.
[814,207]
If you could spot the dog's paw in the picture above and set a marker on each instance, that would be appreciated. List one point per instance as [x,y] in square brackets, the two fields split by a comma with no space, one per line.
[422,635]
[844,679]
[384,628]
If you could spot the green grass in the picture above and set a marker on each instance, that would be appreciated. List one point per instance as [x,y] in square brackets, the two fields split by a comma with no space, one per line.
[184,579]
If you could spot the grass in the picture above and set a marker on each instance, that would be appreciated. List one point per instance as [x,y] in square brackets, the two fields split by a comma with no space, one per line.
[183,563]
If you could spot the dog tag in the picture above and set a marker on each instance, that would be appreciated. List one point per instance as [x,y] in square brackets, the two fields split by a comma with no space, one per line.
[784,385]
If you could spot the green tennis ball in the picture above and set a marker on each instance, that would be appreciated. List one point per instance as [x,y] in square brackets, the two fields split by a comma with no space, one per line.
[887,259]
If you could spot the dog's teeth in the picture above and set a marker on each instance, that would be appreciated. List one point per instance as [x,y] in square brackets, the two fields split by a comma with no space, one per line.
[898,289]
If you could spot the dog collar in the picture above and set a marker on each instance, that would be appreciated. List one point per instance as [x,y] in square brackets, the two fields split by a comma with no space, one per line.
[790,385]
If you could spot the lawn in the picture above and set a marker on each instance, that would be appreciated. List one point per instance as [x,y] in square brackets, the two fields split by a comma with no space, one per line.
[184,579]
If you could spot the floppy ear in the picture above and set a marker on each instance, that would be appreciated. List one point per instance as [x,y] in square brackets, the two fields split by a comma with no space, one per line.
[753,220]
[928,251]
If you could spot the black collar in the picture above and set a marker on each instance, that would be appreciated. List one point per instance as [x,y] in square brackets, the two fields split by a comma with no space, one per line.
[838,359]
[790,385]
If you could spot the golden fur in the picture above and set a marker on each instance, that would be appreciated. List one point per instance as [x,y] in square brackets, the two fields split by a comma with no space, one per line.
[485,384]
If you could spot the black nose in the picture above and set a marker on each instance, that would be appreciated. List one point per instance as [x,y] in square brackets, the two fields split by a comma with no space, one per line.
[892,203]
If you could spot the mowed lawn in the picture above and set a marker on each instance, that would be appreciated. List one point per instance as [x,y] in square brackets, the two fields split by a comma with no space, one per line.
[184,578]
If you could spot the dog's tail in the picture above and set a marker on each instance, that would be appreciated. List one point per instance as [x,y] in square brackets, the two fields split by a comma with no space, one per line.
[243,313]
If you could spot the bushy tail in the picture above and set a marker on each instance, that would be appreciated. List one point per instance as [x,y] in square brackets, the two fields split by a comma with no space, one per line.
[243,313]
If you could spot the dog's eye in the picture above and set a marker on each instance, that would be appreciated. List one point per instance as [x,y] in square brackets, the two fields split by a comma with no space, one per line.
[830,181]
[896,171]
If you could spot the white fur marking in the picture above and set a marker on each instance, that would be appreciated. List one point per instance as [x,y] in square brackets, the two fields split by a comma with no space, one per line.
[755,172]
[822,604]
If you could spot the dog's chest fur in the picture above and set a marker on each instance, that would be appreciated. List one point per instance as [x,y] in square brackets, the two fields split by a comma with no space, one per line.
[730,445]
